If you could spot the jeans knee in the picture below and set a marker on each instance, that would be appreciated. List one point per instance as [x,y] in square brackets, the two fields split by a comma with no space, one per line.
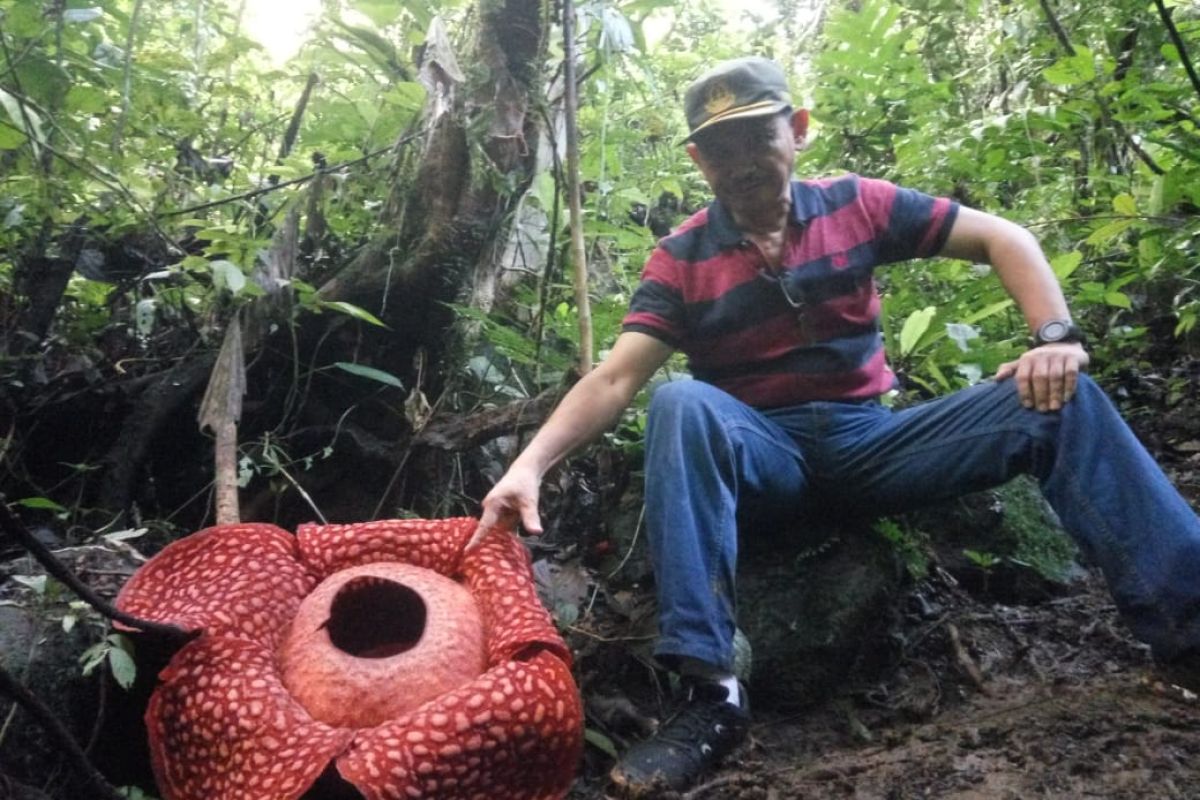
[1088,388]
[1090,402]
[680,400]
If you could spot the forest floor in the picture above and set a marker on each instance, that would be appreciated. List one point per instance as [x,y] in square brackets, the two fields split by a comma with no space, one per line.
[997,702]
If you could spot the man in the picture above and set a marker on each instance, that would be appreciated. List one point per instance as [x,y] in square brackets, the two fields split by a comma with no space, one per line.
[769,291]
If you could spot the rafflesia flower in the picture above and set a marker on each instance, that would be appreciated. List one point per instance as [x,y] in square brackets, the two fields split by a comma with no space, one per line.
[421,670]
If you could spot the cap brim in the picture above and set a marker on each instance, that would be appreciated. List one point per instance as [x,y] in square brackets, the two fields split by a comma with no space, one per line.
[760,109]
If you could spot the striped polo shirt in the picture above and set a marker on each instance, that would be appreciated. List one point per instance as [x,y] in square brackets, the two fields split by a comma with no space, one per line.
[809,331]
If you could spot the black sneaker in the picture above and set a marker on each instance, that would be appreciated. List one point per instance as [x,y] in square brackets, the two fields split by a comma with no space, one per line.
[690,743]
[1182,673]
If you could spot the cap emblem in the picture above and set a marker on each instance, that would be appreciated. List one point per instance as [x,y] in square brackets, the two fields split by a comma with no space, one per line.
[718,98]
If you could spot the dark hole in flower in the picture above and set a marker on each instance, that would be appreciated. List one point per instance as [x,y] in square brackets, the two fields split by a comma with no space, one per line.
[375,618]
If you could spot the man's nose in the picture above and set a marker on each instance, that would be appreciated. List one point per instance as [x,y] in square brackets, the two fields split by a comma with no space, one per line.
[742,167]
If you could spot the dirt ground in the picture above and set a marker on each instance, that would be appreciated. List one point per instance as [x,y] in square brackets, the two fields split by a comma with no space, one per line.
[994,702]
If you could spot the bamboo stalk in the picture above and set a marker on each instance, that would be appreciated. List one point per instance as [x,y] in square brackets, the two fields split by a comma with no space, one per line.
[578,255]
[127,79]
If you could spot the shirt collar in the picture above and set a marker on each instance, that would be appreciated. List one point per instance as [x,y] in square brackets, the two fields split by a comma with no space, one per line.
[725,231]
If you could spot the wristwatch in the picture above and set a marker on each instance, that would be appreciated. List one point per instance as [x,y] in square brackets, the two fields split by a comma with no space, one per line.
[1058,330]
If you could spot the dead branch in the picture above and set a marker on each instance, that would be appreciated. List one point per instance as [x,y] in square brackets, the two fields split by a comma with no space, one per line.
[463,433]
[293,128]
[59,571]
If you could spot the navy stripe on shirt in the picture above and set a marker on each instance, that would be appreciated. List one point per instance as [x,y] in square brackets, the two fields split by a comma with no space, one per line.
[705,291]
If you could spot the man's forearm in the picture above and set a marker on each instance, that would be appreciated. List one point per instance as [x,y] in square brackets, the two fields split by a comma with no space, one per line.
[1017,258]
[590,408]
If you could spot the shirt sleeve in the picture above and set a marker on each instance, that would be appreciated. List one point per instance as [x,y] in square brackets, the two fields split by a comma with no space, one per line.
[657,306]
[907,223]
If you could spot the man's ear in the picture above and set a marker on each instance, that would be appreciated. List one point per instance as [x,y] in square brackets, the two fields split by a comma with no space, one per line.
[800,127]
[693,153]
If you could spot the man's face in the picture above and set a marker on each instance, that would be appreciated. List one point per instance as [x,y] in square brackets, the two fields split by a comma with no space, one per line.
[748,165]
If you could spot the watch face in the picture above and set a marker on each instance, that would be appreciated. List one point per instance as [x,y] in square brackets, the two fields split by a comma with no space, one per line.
[1053,331]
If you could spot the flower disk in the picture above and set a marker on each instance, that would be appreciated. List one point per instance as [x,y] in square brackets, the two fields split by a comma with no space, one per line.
[374,642]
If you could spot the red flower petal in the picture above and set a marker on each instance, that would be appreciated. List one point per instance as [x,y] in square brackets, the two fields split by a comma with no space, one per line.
[222,726]
[498,573]
[233,580]
[435,544]
[515,733]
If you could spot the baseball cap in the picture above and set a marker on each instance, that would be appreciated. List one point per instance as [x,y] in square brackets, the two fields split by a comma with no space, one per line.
[744,87]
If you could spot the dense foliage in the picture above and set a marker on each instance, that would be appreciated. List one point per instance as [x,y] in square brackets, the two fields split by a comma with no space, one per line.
[150,152]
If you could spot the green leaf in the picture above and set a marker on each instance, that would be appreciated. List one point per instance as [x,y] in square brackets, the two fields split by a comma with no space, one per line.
[352,310]
[42,80]
[370,372]
[1072,70]
[598,740]
[123,668]
[370,41]
[1106,233]
[542,190]
[1066,263]
[1118,299]
[25,19]
[381,12]
[86,100]
[19,115]
[41,503]
[1125,204]
[226,275]
[406,94]
[35,582]
[10,138]
[989,310]
[914,328]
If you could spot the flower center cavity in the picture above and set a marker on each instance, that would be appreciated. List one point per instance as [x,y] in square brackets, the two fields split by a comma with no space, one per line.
[375,618]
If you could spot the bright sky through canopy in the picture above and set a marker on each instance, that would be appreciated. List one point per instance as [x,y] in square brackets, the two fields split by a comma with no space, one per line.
[281,25]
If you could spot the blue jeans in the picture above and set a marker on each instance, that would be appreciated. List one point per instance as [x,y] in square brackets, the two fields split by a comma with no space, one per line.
[710,456]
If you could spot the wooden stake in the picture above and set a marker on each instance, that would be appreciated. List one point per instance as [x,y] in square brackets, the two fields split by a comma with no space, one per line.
[220,411]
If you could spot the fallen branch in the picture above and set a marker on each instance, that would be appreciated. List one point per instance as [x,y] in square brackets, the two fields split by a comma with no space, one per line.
[464,433]
[60,572]
[965,661]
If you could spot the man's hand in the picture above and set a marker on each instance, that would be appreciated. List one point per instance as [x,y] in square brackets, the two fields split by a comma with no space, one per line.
[1046,376]
[514,497]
